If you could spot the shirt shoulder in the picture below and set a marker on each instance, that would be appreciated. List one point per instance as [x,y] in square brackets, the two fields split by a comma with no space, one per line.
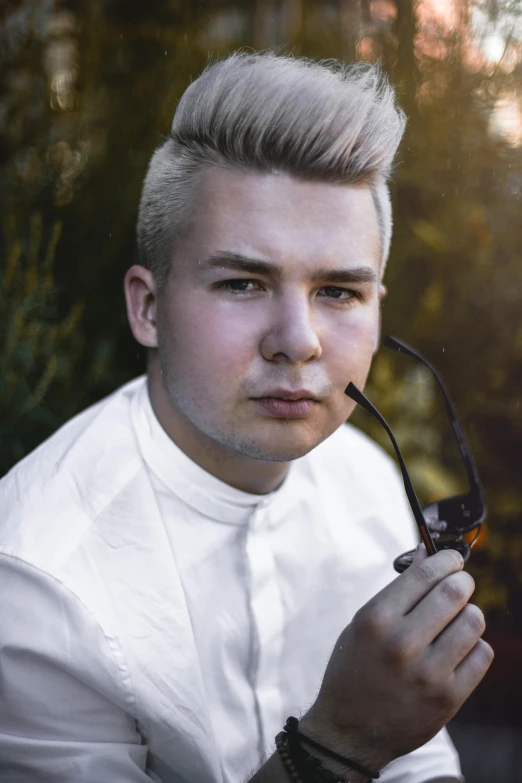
[52,496]
[366,481]
[349,452]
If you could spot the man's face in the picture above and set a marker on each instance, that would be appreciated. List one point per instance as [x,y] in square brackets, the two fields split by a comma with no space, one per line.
[274,292]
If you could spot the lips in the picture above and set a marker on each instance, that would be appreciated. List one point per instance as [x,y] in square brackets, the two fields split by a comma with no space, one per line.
[285,409]
[286,394]
[287,403]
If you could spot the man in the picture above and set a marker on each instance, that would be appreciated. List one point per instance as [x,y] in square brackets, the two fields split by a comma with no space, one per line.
[179,561]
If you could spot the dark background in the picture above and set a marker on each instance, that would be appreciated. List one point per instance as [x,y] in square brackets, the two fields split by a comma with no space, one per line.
[88,91]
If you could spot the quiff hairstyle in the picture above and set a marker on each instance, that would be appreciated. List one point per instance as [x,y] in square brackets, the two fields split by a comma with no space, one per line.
[315,121]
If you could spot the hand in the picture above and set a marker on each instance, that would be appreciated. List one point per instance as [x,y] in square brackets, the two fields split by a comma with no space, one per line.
[404,665]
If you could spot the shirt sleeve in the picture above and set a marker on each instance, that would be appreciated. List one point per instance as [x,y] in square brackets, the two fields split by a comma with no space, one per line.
[63,700]
[436,759]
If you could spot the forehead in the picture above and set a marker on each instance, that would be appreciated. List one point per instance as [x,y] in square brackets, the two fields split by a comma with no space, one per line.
[293,223]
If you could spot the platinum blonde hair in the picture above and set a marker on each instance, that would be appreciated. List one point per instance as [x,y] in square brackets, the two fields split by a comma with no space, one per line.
[321,121]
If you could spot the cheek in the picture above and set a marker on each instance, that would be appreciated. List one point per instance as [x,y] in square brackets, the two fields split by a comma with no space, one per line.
[352,342]
[207,340]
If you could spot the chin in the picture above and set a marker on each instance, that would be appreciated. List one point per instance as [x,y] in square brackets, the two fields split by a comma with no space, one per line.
[277,450]
[280,456]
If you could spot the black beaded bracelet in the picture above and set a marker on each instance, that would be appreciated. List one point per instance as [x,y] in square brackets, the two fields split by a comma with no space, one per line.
[310,768]
[292,728]
[301,767]
[285,757]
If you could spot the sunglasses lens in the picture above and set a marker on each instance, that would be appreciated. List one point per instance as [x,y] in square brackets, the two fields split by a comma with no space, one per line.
[455,515]
[404,561]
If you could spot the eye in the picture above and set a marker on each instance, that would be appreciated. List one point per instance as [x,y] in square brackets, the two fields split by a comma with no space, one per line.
[341,294]
[240,286]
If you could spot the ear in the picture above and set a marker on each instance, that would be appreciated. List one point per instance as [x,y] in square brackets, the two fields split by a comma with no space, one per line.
[382,293]
[141,300]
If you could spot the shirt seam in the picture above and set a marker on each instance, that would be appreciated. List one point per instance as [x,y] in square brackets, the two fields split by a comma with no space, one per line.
[122,487]
[111,640]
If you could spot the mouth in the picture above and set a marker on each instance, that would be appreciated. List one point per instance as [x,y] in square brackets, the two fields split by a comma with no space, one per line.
[287,405]
[289,395]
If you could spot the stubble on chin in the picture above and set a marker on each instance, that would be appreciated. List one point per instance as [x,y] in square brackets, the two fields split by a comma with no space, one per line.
[278,440]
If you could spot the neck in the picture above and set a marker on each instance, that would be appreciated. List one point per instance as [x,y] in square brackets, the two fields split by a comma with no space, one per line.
[257,477]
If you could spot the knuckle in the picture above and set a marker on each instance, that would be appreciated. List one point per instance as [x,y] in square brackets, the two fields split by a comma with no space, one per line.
[486,653]
[432,687]
[450,560]
[428,572]
[474,667]
[468,580]
[454,558]
[454,589]
[375,621]
[478,662]
[440,565]
[475,619]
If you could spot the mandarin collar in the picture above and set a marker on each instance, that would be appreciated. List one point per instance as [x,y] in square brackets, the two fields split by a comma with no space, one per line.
[190,482]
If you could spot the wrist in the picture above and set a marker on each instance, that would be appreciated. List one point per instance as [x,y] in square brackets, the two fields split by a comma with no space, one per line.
[345,743]
[343,772]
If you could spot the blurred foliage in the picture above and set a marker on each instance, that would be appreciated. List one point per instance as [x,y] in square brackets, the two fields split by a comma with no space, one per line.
[87,92]
[39,348]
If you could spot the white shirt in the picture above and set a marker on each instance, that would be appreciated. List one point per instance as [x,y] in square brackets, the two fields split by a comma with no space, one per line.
[156,623]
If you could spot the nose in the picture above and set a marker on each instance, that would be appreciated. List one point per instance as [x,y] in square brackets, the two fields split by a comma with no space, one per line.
[292,333]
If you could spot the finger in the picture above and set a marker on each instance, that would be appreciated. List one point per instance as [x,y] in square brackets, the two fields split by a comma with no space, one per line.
[471,670]
[431,616]
[460,637]
[420,554]
[405,592]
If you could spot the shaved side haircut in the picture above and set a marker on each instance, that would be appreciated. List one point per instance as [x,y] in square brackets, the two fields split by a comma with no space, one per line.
[266,113]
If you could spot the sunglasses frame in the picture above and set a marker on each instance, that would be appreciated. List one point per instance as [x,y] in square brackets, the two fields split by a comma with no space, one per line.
[445,521]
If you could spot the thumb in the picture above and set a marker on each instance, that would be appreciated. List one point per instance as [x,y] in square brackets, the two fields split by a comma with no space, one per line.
[420,554]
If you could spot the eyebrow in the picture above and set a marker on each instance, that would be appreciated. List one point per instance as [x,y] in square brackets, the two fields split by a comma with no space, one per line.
[227,260]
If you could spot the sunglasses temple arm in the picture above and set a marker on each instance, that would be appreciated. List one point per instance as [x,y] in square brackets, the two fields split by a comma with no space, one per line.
[356,394]
[398,345]
[471,469]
